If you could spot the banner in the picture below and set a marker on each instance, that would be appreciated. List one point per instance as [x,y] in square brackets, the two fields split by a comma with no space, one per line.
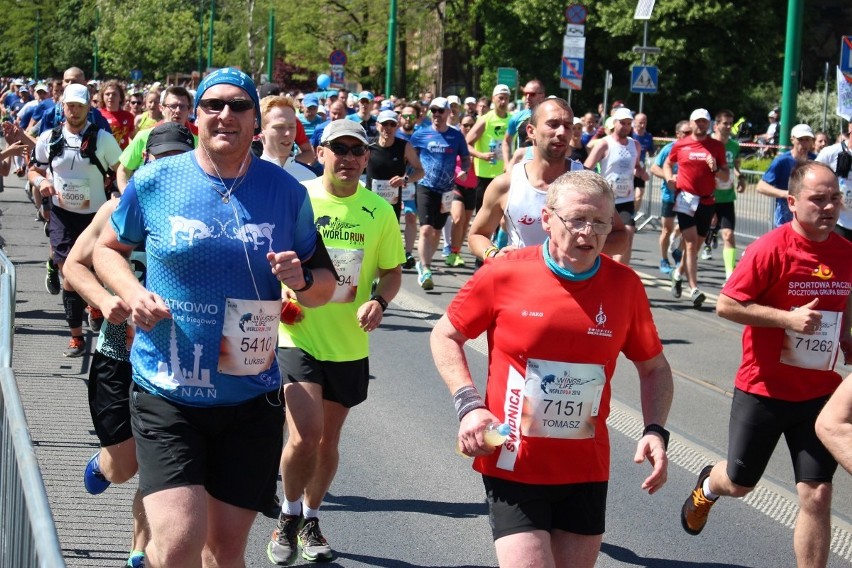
[844,96]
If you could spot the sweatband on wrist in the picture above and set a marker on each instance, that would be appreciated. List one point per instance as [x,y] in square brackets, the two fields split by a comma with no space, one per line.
[466,399]
[489,252]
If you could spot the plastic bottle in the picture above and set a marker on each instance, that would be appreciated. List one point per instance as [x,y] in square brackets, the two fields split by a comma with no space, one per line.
[290,311]
[495,436]
[492,147]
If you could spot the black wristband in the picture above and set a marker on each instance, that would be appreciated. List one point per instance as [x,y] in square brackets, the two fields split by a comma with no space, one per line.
[382,302]
[657,429]
[308,275]
[467,398]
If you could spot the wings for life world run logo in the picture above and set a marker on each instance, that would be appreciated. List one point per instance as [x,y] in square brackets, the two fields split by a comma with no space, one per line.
[256,322]
[339,230]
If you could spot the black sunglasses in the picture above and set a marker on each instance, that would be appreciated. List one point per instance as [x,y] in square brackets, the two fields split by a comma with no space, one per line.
[218,105]
[438,110]
[339,149]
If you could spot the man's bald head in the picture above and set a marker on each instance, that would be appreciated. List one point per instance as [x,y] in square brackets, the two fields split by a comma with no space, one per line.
[73,75]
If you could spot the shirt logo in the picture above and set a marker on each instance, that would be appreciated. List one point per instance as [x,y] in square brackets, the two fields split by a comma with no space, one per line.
[823,272]
[529,314]
[600,322]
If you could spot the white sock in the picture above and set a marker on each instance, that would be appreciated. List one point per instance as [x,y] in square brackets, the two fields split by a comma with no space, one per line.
[311,513]
[706,488]
[291,507]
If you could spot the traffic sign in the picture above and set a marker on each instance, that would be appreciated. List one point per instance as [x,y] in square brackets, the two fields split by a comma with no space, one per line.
[846,55]
[337,57]
[643,10]
[337,75]
[575,30]
[136,75]
[573,46]
[507,76]
[644,79]
[571,76]
[576,14]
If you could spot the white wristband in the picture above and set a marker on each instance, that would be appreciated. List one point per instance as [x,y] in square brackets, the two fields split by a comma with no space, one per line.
[38,181]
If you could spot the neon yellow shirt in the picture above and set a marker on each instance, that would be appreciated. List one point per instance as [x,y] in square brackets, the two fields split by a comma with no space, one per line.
[361,233]
[494,131]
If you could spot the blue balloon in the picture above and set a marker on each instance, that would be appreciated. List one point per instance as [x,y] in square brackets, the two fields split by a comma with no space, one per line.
[323,81]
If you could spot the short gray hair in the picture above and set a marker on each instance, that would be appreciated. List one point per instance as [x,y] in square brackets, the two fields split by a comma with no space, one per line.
[585,182]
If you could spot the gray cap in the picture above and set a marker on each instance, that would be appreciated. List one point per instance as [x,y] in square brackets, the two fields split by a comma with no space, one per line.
[387,115]
[341,128]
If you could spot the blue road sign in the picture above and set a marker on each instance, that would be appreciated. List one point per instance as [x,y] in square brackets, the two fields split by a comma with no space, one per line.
[136,75]
[846,55]
[644,79]
[571,76]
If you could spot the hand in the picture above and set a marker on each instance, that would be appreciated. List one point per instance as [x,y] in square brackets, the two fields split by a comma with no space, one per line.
[505,250]
[805,319]
[397,181]
[488,156]
[471,438]
[287,268]
[711,163]
[741,185]
[46,188]
[115,310]
[370,315]
[651,446]
[16,149]
[147,309]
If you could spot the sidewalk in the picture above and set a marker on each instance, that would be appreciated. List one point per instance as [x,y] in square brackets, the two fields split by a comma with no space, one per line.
[93,530]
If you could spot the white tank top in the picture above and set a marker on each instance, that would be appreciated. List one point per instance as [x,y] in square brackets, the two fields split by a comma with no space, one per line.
[523,208]
[617,168]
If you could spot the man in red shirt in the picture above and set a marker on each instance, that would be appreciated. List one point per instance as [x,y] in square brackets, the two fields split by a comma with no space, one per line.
[700,160]
[551,356]
[791,291]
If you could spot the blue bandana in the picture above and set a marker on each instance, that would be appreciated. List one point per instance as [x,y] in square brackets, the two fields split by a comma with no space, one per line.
[563,272]
[230,76]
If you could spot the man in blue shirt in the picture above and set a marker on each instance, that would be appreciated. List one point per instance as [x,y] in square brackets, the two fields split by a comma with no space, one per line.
[73,75]
[774,182]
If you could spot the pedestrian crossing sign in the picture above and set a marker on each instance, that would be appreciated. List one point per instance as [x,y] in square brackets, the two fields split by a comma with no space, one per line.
[644,79]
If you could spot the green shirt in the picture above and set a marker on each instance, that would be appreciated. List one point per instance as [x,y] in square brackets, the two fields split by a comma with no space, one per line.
[725,191]
[494,131]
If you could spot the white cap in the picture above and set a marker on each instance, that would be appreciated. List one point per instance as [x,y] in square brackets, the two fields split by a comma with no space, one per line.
[578,120]
[622,113]
[501,90]
[801,131]
[772,114]
[75,93]
[470,100]
[439,102]
[700,114]
[453,100]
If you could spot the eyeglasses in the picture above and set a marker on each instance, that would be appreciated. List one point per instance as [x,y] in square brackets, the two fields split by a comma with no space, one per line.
[339,149]
[438,110]
[409,116]
[388,124]
[218,105]
[175,107]
[579,225]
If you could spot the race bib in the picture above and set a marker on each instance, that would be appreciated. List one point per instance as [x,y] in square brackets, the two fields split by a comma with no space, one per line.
[686,203]
[408,191]
[446,201]
[73,194]
[818,351]
[561,400]
[622,186]
[348,265]
[386,190]
[249,336]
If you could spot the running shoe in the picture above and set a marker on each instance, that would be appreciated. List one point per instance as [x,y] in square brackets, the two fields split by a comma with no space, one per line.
[76,347]
[93,479]
[283,547]
[677,255]
[424,277]
[706,253]
[677,284]
[96,319]
[409,261]
[697,297]
[665,267]
[714,239]
[51,280]
[445,252]
[693,514]
[314,546]
[454,259]
[136,560]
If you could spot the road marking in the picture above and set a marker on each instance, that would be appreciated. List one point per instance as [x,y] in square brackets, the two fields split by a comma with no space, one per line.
[773,500]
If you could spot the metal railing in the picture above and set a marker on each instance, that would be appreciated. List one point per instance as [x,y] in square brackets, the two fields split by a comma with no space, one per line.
[754,211]
[28,535]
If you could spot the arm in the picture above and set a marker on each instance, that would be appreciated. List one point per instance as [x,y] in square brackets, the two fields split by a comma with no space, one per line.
[474,135]
[834,424]
[764,188]
[740,178]
[412,158]
[507,151]
[804,320]
[668,173]
[289,270]
[639,168]
[306,153]
[78,271]
[617,239]
[370,313]
[122,176]
[596,154]
[448,353]
[656,386]
[488,218]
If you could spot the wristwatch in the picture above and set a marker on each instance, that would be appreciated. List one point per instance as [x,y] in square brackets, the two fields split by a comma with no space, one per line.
[657,429]
[309,280]
[382,302]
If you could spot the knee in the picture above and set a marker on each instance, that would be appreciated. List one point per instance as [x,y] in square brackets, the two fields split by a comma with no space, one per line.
[814,498]
[306,441]
[223,552]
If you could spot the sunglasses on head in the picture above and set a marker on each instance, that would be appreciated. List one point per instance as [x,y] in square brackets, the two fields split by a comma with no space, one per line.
[438,110]
[339,149]
[218,105]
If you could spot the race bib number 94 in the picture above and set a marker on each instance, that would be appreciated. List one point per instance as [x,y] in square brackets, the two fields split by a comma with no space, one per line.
[561,400]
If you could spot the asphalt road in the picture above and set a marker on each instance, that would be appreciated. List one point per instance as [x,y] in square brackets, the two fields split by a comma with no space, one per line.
[402,497]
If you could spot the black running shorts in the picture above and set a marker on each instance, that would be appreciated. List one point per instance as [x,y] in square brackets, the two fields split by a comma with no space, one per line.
[757,423]
[429,208]
[344,382]
[513,508]
[232,451]
[726,216]
[64,228]
[109,394]
[701,219]
[627,211]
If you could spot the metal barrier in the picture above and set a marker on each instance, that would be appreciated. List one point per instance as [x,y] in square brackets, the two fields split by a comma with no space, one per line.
[754,211]
[28,535]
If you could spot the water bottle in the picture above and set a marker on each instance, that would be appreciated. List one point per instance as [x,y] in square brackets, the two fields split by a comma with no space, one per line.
[492,147]
[495,436]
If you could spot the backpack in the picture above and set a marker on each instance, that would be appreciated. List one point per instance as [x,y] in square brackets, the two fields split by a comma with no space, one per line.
[88,149]
[844,162]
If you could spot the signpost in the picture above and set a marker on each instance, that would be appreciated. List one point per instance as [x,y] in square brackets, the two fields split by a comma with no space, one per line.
[644,79]
[573,49]
[337,59]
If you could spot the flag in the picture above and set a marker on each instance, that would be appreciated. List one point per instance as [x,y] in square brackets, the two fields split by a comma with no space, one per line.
[844,96]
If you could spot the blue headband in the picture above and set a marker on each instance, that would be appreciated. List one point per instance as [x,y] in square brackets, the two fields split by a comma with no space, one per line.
[230,76]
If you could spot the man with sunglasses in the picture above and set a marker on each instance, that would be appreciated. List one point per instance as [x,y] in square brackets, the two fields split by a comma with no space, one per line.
[223,231]
[551,358]
[438,146]
[324,356]
[534,94]
[408,121]
[177,102]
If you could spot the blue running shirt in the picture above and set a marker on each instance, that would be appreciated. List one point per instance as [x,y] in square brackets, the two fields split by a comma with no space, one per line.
[199,250]
[438,151]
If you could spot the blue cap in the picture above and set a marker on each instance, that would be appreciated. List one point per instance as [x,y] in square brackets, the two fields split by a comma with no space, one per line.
[366,95]
[310,100]
[230,76]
